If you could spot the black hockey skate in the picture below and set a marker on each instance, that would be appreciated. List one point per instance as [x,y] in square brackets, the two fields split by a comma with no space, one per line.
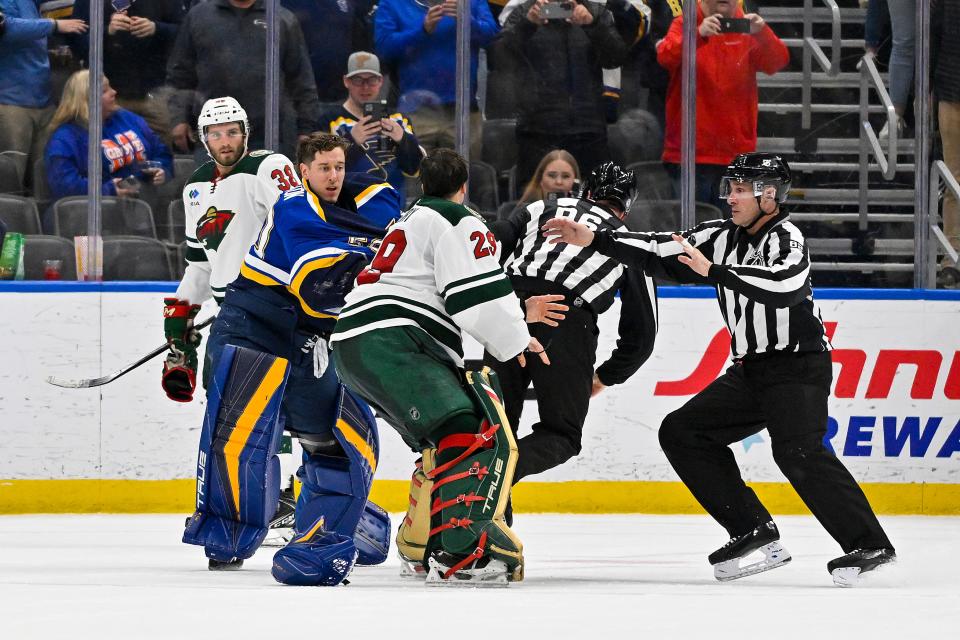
[765,538]
[846,570]
[282,523]
[229,565]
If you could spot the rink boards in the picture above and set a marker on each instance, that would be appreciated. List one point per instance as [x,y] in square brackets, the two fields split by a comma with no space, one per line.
[894,415]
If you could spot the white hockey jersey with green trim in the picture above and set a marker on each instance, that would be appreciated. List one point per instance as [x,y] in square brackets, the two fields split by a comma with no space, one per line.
[438,269]
[223,217]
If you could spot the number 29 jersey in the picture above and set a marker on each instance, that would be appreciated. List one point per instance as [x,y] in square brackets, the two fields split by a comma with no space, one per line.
[223,216]
[438,269]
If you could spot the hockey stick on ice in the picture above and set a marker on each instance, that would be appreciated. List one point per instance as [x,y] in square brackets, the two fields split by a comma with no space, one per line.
[96,382]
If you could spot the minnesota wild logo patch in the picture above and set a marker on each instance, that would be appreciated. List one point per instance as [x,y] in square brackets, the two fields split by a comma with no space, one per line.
[212,226]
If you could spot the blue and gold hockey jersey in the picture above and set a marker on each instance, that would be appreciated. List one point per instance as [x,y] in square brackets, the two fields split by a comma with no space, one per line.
[310,251]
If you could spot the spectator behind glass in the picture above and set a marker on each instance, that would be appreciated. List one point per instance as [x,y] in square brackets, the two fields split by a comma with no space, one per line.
[419,43]
[332,30]
[136,44]
[221,51]
[127,142]
[876,25]
[25,79]
[727,66]
[651,75]
[903,14]
[560,83]
[383,146]
[945,62]
[558,172]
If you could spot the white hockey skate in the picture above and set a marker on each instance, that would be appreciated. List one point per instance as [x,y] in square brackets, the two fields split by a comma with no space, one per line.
[281,525]
[411,569]
[727,560]
[847,570]
[493,573]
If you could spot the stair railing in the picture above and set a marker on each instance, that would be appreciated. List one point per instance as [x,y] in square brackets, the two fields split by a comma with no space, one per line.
[940,173]
[869,143]
[812,49]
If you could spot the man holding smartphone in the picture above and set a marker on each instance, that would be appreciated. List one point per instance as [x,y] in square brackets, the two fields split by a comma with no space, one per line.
[731,48]
[385,143]
[559,63]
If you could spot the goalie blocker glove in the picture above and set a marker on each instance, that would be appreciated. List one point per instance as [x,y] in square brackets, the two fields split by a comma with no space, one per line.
[179,378]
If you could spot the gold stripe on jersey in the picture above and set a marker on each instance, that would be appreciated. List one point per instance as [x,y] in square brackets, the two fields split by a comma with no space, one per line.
[369,192]
[307,269]
[250,273]
[314,201]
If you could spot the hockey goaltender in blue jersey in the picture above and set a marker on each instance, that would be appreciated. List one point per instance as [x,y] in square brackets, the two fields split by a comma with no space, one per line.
[313,262]
[281,310]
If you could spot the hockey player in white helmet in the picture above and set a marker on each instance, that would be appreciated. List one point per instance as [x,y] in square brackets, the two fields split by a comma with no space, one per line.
[225,202]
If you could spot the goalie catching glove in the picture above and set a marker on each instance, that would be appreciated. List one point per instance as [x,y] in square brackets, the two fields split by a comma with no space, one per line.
[180,368]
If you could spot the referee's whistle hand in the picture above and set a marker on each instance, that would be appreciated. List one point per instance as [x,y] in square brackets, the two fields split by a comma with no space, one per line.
[558,230]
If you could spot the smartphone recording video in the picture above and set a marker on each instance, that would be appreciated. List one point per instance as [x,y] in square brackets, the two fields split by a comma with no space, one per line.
[734,25]
[377,110]
[556,10]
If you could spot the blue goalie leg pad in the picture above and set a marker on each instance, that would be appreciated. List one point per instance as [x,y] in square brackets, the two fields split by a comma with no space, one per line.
[238,473]
[373,535]
[336,487]
[316,558]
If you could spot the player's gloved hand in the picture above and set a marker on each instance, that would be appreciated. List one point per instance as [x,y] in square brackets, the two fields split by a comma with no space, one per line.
[180,368]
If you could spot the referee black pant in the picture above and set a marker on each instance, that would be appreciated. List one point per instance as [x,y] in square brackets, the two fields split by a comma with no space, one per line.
[787,394]
[563,390]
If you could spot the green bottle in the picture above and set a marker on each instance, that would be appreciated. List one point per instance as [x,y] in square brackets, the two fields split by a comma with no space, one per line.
[11,257]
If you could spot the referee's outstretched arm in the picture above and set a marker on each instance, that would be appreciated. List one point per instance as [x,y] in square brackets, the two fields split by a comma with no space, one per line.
[782,281]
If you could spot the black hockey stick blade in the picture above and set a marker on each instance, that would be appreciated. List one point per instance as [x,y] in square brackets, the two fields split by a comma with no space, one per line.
[96,382]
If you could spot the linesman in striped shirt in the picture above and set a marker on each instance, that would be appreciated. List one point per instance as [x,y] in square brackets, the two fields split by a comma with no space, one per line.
[589,283]
[780,378]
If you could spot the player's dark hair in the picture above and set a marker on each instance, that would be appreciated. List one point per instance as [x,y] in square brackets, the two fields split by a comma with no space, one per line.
[442,173]
[318,142]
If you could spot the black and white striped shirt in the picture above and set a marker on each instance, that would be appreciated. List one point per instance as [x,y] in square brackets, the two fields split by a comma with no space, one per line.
[762,281]
[584,275]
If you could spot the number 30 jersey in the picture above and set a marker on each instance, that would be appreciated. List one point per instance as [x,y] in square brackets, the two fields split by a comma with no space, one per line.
[223,216]
[438,269]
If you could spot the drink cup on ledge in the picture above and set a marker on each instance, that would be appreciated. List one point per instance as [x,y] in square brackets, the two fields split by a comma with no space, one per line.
[52,269]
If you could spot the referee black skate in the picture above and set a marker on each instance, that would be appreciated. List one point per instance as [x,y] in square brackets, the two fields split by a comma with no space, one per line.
[780,378]
[589,283]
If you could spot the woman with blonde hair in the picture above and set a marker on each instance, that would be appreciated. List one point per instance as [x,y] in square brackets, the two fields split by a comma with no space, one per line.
[557,172]
[127,145]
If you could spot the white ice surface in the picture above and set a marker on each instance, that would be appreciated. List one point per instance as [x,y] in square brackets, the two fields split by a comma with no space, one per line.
[593,577]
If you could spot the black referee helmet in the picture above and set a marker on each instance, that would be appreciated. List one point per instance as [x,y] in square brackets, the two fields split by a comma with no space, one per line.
[609,182]
[760,169]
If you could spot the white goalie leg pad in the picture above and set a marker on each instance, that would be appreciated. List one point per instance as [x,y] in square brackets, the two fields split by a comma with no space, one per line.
[774,555]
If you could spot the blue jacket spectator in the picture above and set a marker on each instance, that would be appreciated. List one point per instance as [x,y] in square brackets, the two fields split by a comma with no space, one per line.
[25,78]
[419,44]
[127,142]
[426,63]
[24,64]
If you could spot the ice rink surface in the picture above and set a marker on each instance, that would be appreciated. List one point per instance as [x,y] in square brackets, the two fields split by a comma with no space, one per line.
[118,576]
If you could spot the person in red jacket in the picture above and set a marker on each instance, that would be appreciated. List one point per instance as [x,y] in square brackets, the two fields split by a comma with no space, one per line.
[727,65]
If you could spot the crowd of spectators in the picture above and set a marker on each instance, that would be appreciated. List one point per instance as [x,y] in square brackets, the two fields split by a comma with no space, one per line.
[556,63]
[557,69]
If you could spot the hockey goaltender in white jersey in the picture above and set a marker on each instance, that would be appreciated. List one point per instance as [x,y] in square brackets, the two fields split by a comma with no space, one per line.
[423,276]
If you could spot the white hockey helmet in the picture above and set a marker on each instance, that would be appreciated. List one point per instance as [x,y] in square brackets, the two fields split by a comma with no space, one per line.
[221,111]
